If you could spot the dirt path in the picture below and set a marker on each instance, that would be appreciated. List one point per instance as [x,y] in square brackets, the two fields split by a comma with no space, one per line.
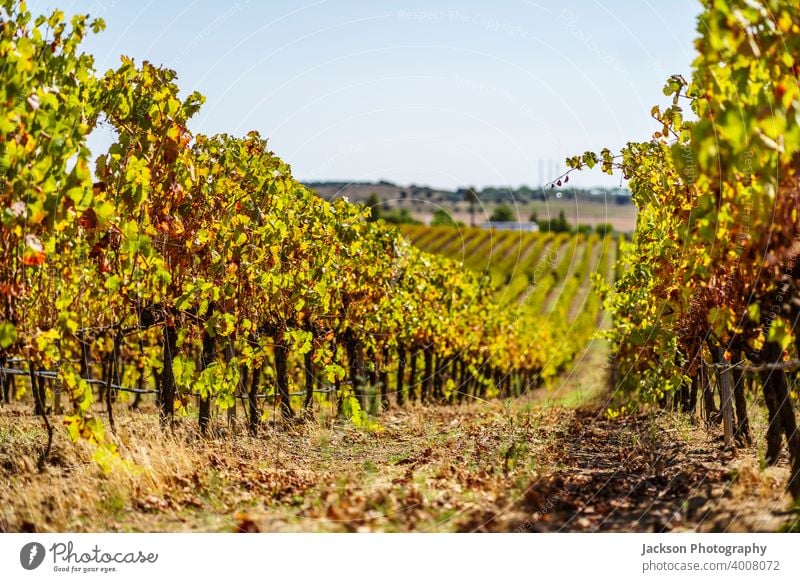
[549,461]
[644,474]
[528,465]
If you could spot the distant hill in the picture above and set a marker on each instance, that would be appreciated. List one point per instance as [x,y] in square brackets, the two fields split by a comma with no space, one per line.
[581,206]
[388,192]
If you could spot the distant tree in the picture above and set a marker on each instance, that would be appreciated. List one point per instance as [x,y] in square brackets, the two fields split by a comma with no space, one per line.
[471,196]
[374,204]
[524,193]
[503,213]
[584,229]
[563,225]
[559,224]
[534,217]
[442,218]
[604,229]
[399,216]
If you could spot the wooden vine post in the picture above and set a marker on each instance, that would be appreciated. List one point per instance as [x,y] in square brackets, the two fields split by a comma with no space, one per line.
[726,400]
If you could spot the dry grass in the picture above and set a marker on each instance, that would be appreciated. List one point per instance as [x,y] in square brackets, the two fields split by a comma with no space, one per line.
[308,477]
[531,464]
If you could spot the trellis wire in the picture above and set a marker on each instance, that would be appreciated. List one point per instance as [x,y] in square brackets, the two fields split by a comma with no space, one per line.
[787,366]
[54,375]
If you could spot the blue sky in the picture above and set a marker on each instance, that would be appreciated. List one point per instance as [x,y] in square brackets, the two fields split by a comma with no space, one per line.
[438,92]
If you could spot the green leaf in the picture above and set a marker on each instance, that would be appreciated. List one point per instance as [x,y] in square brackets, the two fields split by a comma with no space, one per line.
[780,333]
[113,283]
[8,334]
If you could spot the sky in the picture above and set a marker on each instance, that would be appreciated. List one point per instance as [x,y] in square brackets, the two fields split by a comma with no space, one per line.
[443,93]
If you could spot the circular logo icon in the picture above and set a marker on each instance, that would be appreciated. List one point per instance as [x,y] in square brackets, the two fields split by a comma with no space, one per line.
[31,555]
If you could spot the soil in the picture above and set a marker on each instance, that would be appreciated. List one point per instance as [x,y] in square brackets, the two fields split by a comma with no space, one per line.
[529,465]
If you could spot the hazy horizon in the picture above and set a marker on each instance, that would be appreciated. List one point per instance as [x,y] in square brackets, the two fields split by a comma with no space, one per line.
[531,186]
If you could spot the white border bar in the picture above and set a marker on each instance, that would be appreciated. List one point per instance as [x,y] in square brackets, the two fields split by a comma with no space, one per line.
[403,557]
